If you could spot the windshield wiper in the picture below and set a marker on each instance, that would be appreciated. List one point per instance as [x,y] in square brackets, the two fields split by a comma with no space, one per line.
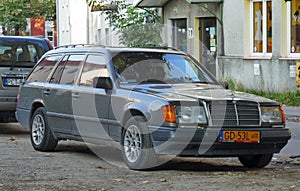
[202,82]
[13,65]
[152,81]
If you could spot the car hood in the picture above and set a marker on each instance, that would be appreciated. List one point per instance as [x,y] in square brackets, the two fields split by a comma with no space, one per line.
[194,92]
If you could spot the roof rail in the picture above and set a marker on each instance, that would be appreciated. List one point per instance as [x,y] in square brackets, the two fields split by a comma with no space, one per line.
[158,47]
[78,45]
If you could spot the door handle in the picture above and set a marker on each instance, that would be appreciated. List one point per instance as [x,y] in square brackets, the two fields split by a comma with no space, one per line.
[75,95]
[47,91]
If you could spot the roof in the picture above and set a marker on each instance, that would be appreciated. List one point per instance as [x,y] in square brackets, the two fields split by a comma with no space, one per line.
[32,39]
[21,38]
[161,3]
[151,3]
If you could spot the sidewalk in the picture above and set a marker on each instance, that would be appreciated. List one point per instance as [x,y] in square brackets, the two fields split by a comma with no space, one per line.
[291,152]
[292,114]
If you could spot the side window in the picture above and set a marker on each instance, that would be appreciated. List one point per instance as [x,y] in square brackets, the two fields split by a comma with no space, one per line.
[43,69]
[94,67]
[71,68]
[58,71]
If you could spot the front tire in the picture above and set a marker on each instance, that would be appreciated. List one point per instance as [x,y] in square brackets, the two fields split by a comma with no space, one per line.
[42,138]
[256,161]
[137,148]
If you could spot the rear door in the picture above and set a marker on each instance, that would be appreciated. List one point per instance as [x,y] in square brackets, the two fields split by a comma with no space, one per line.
[58,93]
[90,105]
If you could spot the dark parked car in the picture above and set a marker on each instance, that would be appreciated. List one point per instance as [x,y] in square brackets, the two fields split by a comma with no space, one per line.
[18,55]
[152,101]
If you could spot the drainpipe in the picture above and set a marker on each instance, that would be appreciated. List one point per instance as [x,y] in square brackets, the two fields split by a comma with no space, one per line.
[88,25]
[57,23]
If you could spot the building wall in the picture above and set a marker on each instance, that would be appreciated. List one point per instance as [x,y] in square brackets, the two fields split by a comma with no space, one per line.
[72,22]
[234,27]
[78,25]
[181,9]
[271,75]
[100,32]
[277,70]
[274,71]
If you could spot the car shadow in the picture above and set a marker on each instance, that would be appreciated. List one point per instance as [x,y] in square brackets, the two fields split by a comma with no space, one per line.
[113,156]
[201,165]
[12,129]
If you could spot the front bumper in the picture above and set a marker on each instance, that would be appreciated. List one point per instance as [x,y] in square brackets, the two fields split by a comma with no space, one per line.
[205,142]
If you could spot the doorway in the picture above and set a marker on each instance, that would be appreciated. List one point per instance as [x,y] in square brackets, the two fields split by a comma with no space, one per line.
[179,34]
[208,43]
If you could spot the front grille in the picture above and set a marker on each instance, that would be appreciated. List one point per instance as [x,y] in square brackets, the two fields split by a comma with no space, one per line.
[234,113]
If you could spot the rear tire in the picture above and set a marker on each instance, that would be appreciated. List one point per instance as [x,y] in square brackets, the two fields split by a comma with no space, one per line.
[42,138]
[256,161]
[4,119]
[137,148]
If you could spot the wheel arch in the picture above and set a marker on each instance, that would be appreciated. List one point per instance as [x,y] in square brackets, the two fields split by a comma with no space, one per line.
[131,113]
[37,104]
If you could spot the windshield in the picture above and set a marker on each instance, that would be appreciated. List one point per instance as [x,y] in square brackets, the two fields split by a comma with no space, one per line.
[143,67]
[19,53]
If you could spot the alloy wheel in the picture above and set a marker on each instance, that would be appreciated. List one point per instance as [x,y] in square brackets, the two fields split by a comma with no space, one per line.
[133,143]
[38,129]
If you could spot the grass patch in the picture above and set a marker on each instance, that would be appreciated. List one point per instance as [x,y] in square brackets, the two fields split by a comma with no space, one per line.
[290,98]
[286,98]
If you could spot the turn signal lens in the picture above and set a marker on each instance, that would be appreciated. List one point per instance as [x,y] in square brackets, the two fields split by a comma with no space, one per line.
[282,114]
[168,113]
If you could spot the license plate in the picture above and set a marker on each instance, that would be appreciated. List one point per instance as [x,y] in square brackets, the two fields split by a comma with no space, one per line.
[240,136]
[12,81]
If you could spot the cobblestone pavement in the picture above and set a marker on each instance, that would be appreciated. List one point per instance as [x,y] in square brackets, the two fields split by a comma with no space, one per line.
[74,167]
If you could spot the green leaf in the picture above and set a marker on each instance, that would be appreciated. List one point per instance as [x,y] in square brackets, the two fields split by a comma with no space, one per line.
[15,12]
[135,26]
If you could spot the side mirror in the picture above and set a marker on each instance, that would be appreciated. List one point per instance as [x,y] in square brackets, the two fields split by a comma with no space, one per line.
[103,82]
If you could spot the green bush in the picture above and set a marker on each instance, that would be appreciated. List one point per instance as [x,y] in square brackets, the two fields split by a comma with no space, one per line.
[290,98]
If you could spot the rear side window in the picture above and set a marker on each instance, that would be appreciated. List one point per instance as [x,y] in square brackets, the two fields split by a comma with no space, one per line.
[67,70]
[58,71]
[71,69]
[43,69]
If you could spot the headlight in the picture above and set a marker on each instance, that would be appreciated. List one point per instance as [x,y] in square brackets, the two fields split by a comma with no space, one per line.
[272,114]
[191,115]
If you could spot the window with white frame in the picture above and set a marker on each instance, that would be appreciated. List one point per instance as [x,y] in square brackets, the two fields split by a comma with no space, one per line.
[294,27]
[261,27]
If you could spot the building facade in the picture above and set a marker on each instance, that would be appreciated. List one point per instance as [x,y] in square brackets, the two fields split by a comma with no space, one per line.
[76,24]
[253,42]
[39,28]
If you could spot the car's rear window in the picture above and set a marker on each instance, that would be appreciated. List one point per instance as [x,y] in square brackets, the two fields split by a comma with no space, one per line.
[18,53]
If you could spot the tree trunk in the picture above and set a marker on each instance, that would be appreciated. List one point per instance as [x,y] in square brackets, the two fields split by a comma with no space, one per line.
[4,31]
[17,28]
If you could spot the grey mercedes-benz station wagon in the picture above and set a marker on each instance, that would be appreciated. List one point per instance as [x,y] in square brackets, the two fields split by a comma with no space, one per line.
[152,101]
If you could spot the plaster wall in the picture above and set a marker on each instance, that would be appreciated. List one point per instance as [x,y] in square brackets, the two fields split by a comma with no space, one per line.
[72,17]
[274,74]
[234,30]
